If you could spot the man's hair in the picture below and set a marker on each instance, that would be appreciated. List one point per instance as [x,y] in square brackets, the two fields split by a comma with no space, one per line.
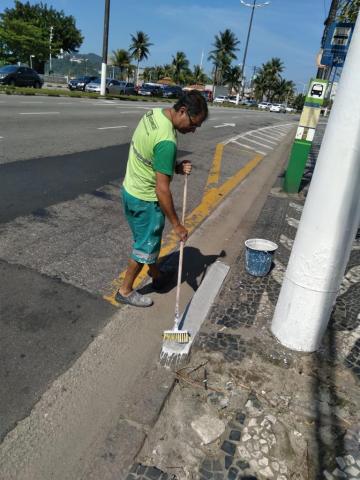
[194,102]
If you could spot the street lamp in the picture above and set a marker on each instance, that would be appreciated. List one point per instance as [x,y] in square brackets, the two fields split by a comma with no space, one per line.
[31,57]
[252,6]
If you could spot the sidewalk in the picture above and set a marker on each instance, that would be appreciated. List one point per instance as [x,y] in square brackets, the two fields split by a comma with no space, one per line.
[247,408]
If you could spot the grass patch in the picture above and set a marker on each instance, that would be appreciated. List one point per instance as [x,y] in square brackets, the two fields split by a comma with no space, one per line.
[74,94]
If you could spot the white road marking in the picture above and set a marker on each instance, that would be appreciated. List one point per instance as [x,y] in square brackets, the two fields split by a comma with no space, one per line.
[107,128]
[129,111]
[38,113]
[269,135]
[1,138]
[225,125]
[258,130]
[248,147]
[262,138]
[258,143]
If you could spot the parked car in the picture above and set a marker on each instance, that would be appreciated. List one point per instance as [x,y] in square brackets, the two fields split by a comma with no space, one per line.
[221,99]
[290,109]
[80,82]
[232,99]
[19,76]
[120,87]
[150,90]
[95,85]
[277,107]
[264,105]
[172,91]
[249,103]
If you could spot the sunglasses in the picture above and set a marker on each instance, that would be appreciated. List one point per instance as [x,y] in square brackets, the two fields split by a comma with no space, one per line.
[192,123]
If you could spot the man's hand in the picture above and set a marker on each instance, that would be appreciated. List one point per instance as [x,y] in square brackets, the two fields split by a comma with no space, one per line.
[181,232]
[184,168]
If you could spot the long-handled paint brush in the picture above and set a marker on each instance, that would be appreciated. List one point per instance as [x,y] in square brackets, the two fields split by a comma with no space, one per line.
[175,335]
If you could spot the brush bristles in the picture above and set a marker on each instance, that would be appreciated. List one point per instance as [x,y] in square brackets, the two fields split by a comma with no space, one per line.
[178,337]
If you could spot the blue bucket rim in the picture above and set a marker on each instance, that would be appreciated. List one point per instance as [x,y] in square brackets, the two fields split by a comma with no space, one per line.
[272,246]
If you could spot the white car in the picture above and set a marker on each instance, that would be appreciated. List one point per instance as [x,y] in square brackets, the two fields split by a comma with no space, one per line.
[290,109]
[264,105]
[277,107]
[221,99]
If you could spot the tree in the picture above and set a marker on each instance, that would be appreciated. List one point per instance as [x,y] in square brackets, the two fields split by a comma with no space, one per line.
[148,74]
[180,66]
[121,59]
[268,78]
[232,77]
[139,49]
[198,76]
[25,31]
[283,90]
[298,102]
[225,46]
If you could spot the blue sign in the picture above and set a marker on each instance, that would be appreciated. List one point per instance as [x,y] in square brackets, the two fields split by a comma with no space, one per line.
[336,44]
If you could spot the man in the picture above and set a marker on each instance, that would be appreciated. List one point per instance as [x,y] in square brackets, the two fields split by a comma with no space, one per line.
[146,189]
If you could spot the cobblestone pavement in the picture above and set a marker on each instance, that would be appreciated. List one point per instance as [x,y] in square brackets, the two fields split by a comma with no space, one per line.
[247,408]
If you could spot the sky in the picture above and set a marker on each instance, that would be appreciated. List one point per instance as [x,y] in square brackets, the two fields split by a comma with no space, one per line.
[288,29]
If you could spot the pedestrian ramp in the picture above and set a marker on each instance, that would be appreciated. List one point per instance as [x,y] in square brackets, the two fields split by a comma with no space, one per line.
[262,140]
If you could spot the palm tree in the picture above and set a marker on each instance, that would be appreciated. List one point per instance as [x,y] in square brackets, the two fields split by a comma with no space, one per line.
[168,70]
[268,78]
[232,77]
[198,75]
[225,46]
[180,64]
[121,59]
[284,90]
[159,72]
[139,48]
[148,74]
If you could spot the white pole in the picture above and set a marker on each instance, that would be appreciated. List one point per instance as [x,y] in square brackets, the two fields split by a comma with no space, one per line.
[202,58]
[329,221]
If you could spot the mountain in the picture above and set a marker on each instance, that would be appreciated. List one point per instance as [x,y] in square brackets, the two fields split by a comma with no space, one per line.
[76,64]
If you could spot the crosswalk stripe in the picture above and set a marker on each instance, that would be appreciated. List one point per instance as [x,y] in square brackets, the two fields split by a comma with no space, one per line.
[249,148]
[258,143]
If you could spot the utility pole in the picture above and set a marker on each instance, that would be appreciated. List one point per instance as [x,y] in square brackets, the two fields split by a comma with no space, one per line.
[252,6]
[328,223]
[50,40]
[105,48]
[325,73]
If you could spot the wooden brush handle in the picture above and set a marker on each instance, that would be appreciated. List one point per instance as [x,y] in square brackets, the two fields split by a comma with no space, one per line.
[181,256]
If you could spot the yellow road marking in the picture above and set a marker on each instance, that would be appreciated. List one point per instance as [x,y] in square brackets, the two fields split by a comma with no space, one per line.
[209,202]
[214,174]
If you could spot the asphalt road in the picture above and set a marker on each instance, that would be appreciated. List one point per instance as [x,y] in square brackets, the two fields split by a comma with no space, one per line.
[63,238]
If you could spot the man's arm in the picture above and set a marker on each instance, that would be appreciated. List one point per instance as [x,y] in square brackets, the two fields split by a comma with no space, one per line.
[164,196]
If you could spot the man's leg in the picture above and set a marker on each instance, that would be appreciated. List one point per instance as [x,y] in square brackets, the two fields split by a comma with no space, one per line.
[133,270]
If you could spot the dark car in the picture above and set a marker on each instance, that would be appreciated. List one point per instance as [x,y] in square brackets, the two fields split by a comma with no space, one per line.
[150,90]
[19,76]
[172,91]
[80,82]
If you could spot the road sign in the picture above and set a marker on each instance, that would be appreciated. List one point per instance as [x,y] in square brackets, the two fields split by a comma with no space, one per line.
[316,93]
[337,43]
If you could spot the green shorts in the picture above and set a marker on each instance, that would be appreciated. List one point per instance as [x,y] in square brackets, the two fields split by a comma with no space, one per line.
[146,220]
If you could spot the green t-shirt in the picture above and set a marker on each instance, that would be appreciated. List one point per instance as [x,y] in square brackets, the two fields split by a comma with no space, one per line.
[152,149]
